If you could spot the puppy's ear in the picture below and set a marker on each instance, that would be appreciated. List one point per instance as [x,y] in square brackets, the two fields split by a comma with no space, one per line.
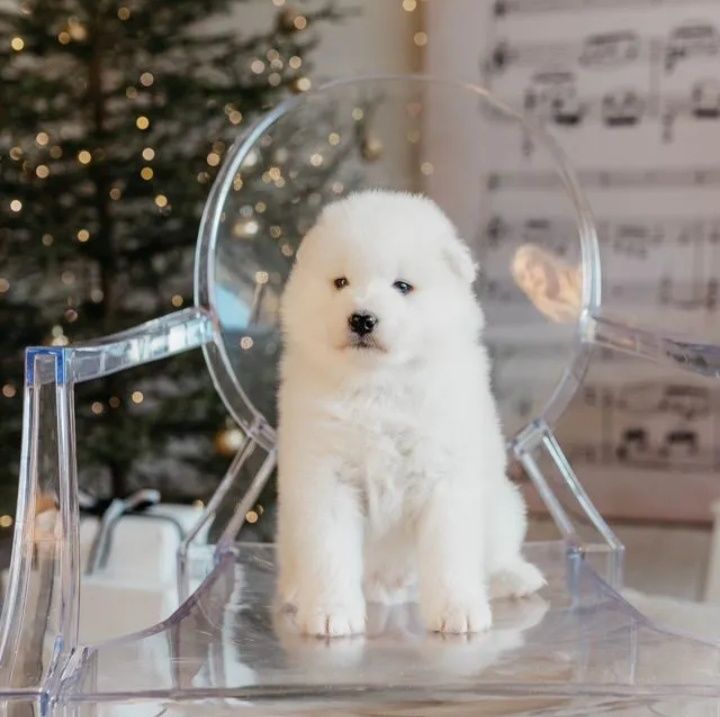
[460,260]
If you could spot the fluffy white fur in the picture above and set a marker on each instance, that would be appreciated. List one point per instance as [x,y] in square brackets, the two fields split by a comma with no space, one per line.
[392,461]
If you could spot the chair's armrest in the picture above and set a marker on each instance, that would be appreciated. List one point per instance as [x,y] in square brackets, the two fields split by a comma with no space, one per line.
[151,341]
[678,351]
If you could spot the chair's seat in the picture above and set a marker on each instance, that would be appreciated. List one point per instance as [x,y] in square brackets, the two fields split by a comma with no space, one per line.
[576,648]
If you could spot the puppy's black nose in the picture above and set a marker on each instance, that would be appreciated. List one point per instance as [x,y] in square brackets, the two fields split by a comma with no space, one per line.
[362,323]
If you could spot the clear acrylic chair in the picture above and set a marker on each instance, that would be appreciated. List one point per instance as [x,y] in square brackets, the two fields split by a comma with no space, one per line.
[577,648]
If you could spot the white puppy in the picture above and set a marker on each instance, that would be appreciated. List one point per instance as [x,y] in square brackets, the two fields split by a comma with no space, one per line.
[391,457]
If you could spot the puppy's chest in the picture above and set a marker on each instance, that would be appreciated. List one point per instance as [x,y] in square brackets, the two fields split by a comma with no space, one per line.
[388,448]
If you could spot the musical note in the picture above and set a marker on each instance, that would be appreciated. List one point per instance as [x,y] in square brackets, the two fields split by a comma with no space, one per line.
[649,425]
[693,39]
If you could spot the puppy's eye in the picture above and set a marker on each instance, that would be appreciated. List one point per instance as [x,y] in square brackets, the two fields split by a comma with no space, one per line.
[340,283]
[403,287]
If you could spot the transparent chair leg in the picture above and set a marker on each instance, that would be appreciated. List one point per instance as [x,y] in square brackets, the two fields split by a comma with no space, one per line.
[248,500]
[39,624]
[228,482]
[578,520]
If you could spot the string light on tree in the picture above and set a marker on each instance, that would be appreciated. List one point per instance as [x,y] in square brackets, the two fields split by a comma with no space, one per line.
[16,206]
[17,43]
[4,285]
[290,20]
[161,201]
[9,391]
[303,84]
[58,337]
[42,171]
[228,441]
[147,79]
[77,30]
[420,39]
[148,154]
[84,157]
[245,228]
[142,122]
[371,148]
[137,397]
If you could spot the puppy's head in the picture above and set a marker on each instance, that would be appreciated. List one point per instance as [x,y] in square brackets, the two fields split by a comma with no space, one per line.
[380,280]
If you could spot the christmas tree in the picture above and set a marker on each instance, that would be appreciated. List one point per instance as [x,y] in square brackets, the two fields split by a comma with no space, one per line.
[114,118]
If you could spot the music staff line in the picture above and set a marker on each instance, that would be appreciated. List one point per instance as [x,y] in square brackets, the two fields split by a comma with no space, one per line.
[626,234]
[625,238]
[504,8]
[650,425]
[664,293]
[641,179]
[621,107]
[693,39]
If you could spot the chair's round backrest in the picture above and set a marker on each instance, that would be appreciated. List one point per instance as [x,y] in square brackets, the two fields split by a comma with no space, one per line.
[502,182]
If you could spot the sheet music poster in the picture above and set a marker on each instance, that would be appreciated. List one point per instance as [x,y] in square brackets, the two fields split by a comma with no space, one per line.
[631,90]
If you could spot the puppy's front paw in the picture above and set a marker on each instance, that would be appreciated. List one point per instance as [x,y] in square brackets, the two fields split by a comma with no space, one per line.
[455,616]
[331,618]
[516,581]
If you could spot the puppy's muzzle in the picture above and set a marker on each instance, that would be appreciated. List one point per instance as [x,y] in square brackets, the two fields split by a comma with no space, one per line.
[362,323]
